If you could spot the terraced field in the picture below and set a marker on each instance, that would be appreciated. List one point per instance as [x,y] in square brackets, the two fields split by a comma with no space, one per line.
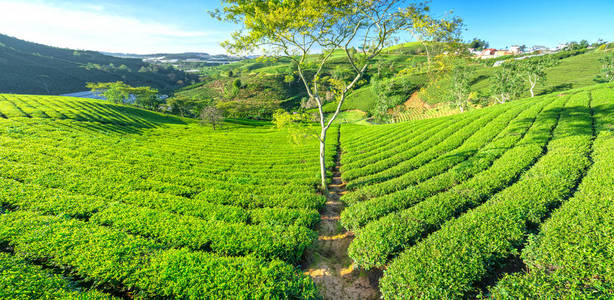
[101,200]
[447,206]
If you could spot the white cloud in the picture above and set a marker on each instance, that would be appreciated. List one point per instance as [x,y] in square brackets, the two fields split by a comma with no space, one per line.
[93,28]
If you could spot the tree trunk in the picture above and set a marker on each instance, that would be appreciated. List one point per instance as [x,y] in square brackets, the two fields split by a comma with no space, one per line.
[323,159]
[428,58]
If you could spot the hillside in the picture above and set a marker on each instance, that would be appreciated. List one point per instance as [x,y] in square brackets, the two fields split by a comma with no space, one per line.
[32,68]
[493,202]
[576,69]
[272,82]
[509,201]
[141,204]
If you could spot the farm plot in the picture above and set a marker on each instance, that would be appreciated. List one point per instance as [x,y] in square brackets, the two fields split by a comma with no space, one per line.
[108,200]
[448,211]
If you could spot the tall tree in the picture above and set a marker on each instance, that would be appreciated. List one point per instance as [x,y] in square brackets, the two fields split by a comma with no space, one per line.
[299,28]
[117,92]
[478,44]
[430,31]
[508,83]
[146,97]
[533,70]
[607,67]
[186,106]
[461,86]
[120,92]
[212,115]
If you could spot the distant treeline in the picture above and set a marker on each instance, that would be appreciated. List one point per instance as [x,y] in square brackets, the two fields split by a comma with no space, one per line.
[32,68]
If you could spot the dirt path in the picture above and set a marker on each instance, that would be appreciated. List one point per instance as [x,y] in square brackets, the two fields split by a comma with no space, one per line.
[328,263]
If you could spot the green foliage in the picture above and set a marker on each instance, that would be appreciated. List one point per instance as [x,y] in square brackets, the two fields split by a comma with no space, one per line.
[146,97]
[392,92]
[116,92]
[211,115]
[576,69]
[478,44]
[460,88]
[282,118]
[264,240]
[93,250]
[496,228]
[507,83]
[186,106]
[607,67]
[257,108]
[173,209]
[232,89]
[236,83]
[20,279]
[395,194]
[534,70]
[294,28]
[576,238]
[443,205]
[583,44]
[119,93]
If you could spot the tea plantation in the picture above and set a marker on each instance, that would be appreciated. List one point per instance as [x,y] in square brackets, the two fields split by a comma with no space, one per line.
[513,201]
[108,201]
[137,204]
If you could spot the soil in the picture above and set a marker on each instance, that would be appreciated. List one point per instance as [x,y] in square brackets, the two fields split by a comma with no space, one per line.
[415,102]
[328,263]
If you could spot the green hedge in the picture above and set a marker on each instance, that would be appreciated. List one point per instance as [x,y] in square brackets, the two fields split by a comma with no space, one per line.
[363,212]
[129,263]
[572,257]
[467,250]
[19,279]
[386,237]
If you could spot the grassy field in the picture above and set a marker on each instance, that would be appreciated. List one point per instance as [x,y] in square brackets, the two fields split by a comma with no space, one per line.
[572,72]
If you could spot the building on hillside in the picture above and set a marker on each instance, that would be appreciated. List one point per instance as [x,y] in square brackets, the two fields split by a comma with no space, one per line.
[515,49]
[487,53]
[475,52]
[500,53]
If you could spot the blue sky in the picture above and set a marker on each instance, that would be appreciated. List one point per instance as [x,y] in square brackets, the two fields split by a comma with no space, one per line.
[537,22]
[183,25]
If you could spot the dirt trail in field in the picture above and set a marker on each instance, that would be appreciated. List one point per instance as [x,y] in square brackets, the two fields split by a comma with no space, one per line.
[328,263]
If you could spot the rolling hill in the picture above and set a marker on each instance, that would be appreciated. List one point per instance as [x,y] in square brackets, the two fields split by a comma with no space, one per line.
[446,206]
[31,68]
[576,69]
[511,201]
[150,205]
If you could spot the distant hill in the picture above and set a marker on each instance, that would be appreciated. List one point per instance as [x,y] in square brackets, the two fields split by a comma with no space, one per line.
[27,67]
[179,56]
[190,62]
[186,55]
